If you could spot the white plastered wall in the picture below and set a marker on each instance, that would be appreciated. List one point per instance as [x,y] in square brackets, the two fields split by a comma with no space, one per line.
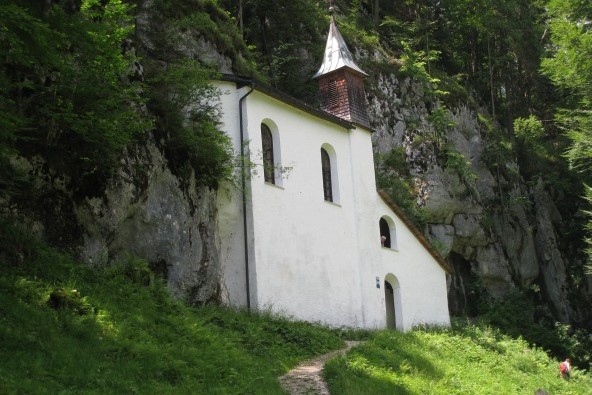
[422,280]
[305,259]
[312,259]
[229,207]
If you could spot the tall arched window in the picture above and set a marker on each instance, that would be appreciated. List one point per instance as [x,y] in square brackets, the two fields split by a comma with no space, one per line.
[268,162]
[326,168]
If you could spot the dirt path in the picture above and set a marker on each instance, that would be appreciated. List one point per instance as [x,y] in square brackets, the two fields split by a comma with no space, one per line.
[306,377]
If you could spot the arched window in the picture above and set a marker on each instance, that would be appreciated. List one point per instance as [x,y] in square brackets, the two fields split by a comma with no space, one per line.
[268,160]
[388,233]
[326,169]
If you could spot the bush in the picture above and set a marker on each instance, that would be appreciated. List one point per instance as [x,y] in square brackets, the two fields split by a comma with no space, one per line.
[186,105]
[69,89]
[69,299]
[520,316]
[133,269]
[392,176]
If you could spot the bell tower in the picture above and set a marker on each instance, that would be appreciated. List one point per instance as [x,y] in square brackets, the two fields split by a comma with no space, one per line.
[341,81]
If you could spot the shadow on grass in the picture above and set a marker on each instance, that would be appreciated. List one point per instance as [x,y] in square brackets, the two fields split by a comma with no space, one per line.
[135,338]
[382,365]
[342,380]
[404,352]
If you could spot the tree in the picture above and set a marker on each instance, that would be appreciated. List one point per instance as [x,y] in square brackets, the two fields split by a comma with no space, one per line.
[67,89]
[569,66]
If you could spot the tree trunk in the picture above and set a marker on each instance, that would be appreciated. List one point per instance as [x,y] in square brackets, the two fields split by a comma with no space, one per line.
[240,18]
[375,12]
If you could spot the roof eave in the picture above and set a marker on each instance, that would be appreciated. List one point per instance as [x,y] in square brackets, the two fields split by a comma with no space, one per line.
[242,81]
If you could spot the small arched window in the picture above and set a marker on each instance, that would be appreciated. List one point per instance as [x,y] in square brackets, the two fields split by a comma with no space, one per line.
[326,169]
[268,160]
[388,235]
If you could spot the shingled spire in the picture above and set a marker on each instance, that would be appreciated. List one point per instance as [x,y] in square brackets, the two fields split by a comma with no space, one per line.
[341,81]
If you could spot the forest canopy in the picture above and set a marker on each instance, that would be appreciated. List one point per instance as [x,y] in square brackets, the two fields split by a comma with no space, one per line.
[70,95]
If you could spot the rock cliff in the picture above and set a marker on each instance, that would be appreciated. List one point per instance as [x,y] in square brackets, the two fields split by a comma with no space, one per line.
[145,211]
[148,212]
[498,233]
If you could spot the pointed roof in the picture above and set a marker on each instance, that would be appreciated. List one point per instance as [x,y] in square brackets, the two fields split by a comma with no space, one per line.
[336,54]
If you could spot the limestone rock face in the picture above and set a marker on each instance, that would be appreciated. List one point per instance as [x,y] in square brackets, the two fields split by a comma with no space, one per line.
[146,211]
[186,43]
[497,232]
[550,258]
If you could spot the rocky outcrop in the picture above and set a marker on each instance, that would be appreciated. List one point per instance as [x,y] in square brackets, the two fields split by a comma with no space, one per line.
[148,212]
[498,234]
[144,212]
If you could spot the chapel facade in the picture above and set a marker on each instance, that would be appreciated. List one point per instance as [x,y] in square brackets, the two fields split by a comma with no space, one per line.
[308,234]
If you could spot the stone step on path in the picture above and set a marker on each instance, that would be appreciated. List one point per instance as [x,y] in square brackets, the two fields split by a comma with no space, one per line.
[306,379]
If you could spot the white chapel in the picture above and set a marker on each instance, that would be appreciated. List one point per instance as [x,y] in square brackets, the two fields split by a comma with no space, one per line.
[308,234]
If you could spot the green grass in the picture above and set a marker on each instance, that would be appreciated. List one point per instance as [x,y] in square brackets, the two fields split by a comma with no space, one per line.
[67,328]
[119,331]
[463,360]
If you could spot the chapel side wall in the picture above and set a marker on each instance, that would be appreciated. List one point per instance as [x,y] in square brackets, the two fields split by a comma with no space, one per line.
[306,261]
[368,238]
[421,279]
[229,207]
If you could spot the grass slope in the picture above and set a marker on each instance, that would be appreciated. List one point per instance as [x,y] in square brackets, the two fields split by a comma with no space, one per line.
[66,328]
[463,360]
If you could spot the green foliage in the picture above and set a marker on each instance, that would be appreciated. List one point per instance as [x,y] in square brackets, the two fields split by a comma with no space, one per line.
[18,246]
[284,65]
[68,328]
[287,40]
[529,129]
[588,197]
[71,97]
[172,22]
[392,176]
[569,66]
[466,359]
[520,316]
[459,163]
[498,154]
[363,38]
[440,120]
[66,93]
[413,64]
[69,299]
[132,269]
[187,111]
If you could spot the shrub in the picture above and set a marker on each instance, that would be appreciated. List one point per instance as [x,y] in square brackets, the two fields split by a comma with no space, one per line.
[133,269]
[187,111]
[70,300]
[392,176]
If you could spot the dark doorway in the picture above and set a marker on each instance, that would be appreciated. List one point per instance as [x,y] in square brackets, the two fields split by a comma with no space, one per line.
[385,233]
[389,301]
